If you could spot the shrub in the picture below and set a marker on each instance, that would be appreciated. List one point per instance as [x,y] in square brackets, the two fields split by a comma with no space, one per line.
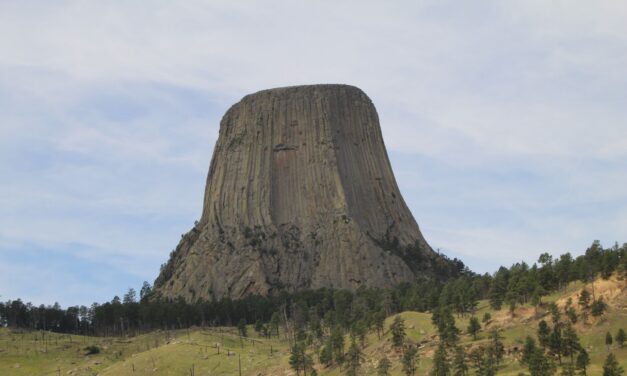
[91,350]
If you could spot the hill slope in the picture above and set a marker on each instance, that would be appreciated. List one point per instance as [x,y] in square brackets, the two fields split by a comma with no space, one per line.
[219,351]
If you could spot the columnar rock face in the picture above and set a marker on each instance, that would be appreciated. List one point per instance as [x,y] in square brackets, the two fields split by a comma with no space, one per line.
[300,194]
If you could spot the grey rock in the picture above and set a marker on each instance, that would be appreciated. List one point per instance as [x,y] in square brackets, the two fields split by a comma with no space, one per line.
[300,194]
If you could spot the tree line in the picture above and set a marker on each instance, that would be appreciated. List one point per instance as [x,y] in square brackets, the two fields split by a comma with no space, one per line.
[315,310]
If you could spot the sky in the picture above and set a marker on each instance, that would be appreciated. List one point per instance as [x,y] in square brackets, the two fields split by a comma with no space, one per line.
[505,122]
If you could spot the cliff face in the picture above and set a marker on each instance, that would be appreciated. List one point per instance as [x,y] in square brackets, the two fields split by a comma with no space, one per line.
[300,194]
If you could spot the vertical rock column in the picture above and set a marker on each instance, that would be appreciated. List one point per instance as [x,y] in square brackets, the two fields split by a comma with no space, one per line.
[300,194]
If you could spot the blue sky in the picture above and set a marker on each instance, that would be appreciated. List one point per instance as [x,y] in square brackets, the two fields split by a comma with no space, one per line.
[504,121]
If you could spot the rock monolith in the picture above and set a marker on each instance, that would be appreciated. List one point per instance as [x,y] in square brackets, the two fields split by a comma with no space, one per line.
[300,195]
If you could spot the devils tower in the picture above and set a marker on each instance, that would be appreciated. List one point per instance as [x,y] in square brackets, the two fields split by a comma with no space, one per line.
[300,194]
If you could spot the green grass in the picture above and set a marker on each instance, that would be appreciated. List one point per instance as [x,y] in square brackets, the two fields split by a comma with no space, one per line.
[214,352]
[38,352]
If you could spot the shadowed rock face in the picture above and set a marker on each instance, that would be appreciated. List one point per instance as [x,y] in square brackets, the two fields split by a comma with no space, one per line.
[300,194]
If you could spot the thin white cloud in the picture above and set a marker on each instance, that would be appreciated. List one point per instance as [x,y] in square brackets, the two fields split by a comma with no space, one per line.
[111,109]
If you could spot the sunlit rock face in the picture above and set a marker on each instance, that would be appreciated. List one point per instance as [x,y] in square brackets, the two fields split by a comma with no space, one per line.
[300,194]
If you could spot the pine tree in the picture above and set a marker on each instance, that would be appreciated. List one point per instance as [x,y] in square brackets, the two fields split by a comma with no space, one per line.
[443,319]
[308,365]
[476,356]
[130,296]
[359,331]
[274,323]
[543,333]
[409,361]
[621,337]
[511,299]
[383,368]
[608,340]
[326,354]
[555,313]
[460,368]
[583,360]
[572,315]
[584,299]
[298,358]
[295,359]
[379,322]
[536,299]
[570,312]
[611,366]
[486,365]
[528,351]
[555,343]
[496,349]
[145,291]
[598,307]
[301,335]
[570,343]
[539,364]
[241,327]
[486,318]
[337,344]
[354,358]
[398,331]
[584,303]
[441,366]
[258,326]
[315,329]
[473,327]
[499,288]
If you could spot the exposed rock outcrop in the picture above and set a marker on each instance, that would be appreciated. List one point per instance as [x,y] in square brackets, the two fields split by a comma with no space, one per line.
[300,194]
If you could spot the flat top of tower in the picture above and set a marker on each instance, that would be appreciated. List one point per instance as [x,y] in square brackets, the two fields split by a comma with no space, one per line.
[307,89]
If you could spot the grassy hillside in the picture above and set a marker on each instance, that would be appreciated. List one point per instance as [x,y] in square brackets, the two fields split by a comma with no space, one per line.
[219,351]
